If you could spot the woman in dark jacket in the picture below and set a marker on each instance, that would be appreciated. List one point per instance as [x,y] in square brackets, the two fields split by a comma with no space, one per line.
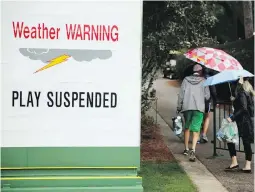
[243,116]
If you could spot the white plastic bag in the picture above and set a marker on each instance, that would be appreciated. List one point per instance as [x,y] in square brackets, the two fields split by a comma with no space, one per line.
[228,132]
[177,122]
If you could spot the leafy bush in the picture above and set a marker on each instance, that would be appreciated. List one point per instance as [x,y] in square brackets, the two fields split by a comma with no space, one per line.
[149,70]
[147,121]
[172,25]
[147,127]
[183,67]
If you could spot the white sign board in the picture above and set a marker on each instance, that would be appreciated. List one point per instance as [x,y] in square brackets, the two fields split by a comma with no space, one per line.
[71,73]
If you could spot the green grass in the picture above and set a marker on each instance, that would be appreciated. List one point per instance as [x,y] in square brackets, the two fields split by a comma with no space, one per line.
[165,177]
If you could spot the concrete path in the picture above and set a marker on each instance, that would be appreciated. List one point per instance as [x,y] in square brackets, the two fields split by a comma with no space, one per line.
[167,91]
[198,173]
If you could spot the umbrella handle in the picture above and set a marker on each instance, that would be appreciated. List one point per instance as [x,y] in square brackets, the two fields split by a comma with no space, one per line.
[231,96]
[230,89]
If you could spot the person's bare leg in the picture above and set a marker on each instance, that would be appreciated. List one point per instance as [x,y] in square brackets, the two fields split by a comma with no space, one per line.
[194,140]
[195,137]
[206,123]
[234,161]
[203,137]
[247,165]
[186,138]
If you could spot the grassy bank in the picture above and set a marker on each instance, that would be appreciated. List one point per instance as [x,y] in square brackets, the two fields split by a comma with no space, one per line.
[165,177]
[159,169]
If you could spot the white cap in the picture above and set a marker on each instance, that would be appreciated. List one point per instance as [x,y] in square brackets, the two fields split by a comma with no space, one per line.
[197,68]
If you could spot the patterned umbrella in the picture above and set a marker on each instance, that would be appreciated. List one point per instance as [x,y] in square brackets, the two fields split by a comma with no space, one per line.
[214,59]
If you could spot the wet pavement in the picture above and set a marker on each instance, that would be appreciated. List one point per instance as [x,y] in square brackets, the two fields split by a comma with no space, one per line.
[167,91]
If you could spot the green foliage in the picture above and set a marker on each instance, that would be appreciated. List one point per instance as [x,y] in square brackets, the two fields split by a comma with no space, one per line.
[172,25]
[147,121]
[181,65]
[149,70]
[165,177]
[181,25]
[188,24]
[225,30]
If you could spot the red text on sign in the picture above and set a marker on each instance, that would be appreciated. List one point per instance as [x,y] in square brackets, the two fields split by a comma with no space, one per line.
[92,32]
[40,31]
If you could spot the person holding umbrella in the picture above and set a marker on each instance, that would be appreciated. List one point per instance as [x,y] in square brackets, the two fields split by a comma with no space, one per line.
[191,102]
[244,117]
[215,60]
[230,70]
[243,104]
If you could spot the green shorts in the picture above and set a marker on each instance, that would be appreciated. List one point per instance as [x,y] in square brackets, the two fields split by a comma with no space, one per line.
[193,120]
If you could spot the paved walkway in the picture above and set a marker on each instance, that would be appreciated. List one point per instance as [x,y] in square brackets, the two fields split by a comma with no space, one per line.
[235,182]
[198,173]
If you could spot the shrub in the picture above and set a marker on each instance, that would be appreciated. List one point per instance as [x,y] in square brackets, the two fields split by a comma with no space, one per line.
[183,67]
[147,121]
[147,127]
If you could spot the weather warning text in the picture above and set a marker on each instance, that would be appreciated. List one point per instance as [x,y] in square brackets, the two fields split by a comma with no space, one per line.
[40,31]
[92,32]
[88,32]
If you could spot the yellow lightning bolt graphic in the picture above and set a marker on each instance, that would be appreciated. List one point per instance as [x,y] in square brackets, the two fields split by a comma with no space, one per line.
[55,61]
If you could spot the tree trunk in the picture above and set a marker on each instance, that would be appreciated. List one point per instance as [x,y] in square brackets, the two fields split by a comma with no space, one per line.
[248,19]
[235,31]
